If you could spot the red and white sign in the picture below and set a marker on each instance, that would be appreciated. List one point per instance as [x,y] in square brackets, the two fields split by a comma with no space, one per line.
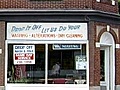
[24,54]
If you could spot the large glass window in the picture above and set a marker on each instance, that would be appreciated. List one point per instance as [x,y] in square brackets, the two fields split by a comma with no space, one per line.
[64,65]
[26,73]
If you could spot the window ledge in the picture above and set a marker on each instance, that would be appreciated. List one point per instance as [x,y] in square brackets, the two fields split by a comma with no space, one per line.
[111,2]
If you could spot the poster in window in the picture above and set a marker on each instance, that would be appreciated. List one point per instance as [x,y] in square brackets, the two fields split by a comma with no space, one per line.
[24,54]
[81,62]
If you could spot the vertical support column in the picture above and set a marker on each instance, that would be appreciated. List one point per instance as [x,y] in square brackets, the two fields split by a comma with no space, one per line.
[2,53]
[94,58]
[91,32]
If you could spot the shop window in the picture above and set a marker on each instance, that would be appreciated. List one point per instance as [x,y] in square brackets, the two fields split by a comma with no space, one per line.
[26,73]
[70,64]
[63,66]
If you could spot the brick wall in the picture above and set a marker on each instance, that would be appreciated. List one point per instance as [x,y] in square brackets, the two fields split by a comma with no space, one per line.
[97,67]
[45,4]
[117,67]
[95,55]
[58,4]
[91,37]
[106,6]
[118,63]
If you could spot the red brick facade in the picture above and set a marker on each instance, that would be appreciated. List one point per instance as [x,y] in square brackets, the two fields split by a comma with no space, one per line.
[68,5]
[97,53]
[60,5]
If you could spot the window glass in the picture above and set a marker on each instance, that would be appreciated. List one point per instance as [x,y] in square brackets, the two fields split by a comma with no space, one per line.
[64,65]
[26,73]
[102,65]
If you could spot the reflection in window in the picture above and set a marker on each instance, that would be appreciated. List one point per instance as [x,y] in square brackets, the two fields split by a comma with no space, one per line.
[27,73]
[62,66]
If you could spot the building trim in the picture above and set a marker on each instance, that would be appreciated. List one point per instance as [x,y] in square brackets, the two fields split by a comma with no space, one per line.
[79,15]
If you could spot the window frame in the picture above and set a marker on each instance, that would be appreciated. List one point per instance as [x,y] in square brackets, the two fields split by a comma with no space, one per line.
[46,66]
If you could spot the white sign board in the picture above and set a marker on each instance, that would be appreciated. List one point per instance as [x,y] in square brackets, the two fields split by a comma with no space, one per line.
[47,31]
[24,54]
[81,62]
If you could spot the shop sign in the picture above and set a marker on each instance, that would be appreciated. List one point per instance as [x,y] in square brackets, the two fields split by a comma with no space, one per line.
[66,46]
[47,31]
[24,54]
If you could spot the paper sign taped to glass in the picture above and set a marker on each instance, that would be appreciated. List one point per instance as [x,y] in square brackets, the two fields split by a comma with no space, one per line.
[81,62]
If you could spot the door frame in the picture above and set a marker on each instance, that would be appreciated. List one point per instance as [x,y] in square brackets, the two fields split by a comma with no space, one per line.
[107,42]
[107,66]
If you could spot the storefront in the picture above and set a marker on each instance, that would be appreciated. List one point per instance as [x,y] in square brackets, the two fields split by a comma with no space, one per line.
[42,55]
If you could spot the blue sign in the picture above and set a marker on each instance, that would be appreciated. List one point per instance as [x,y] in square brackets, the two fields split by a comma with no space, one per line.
[66,46]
